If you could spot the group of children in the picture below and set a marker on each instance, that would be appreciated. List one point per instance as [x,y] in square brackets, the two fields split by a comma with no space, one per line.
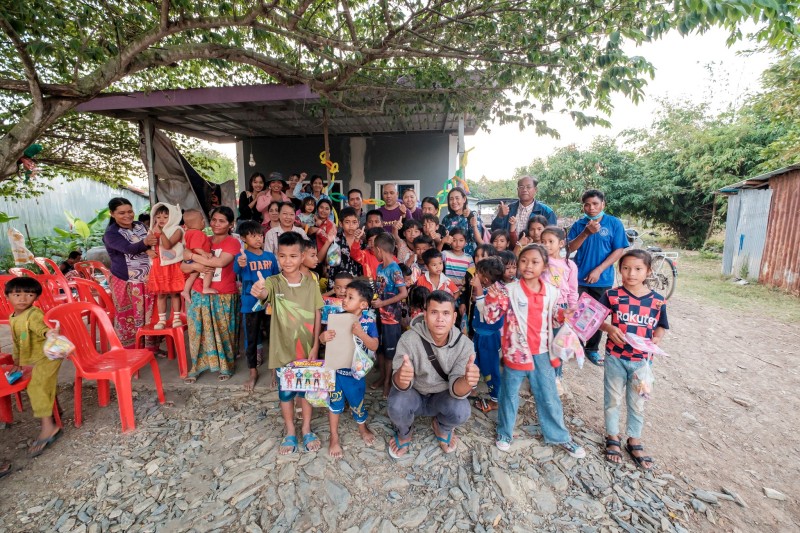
[513,296]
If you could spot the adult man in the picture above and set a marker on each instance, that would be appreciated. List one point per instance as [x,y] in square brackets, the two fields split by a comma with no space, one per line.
[600,241]
[68,265]
[434,372]
[393,210]
[524,209]
[355,199]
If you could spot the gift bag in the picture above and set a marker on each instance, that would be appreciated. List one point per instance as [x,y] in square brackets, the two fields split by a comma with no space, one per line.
[588,317]
[318,398]
[57,346]
[362,362]
[334,255]
[20,252]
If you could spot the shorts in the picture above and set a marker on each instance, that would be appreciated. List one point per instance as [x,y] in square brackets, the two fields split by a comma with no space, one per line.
[390,336]
[288,395]
[352,390]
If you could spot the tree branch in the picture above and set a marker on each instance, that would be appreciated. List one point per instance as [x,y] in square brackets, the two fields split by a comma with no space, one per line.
[27,63]
[49,89]
[165,14]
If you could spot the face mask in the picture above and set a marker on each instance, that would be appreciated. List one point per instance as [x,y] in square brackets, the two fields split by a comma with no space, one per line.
[597,216]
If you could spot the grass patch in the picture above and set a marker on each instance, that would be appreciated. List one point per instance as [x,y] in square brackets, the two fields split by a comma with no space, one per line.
[700,275]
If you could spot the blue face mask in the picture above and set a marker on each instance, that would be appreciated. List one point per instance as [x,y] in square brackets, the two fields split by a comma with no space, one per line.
[597,216]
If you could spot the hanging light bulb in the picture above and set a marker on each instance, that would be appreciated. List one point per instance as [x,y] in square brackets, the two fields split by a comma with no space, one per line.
[252,160]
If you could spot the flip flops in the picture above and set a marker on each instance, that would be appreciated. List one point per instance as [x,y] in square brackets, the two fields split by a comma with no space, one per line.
[444,443]
[400,446]
[308,438]
[289,441]
[44,443]
[484,406]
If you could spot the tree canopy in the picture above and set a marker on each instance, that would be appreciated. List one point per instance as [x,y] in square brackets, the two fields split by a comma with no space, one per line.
[555,55]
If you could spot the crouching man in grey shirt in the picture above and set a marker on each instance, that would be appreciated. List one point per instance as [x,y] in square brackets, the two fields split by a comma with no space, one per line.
[434,372]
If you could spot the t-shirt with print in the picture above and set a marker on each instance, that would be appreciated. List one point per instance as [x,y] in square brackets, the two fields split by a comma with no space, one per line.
[456,266]
[294,308]
[390,279]
[265,262]
[390,216]
[227,282]
[639,315]
[368,324]
[597,247]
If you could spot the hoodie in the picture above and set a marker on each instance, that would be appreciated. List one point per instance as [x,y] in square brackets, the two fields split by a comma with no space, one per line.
[174,254]
[453,357]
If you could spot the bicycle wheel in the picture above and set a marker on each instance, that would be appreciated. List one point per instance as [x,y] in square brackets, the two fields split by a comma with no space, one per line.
[664,277]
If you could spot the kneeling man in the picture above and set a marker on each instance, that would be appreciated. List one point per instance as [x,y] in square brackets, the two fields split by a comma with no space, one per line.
[434,372]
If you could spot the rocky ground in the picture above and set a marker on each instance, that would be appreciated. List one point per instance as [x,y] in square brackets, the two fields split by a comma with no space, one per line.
[208,461]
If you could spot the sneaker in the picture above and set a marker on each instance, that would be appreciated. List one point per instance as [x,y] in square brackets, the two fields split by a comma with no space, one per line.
[559,387]
[160,325]
[503,445]
[177,323]
[595,358]
[573,449]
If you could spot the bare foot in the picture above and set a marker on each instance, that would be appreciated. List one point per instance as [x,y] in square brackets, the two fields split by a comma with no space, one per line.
[210,291]
[386,390]
[187,295]
[397,447]
[367,435]
[334,449]
[289,445]
[448,443]
[375,385]
[251,383]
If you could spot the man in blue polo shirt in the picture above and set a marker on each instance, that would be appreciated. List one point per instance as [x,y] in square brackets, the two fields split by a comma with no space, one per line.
[600,241]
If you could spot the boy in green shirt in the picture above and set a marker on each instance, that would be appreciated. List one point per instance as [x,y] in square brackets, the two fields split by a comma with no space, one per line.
[296,322]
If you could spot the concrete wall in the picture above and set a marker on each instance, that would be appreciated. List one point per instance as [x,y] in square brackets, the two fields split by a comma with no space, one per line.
[362,160]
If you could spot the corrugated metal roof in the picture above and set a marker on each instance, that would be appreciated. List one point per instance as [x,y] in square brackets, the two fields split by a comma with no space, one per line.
[757,182]
[780,265]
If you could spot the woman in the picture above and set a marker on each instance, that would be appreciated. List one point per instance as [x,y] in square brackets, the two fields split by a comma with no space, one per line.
[285,223]
[276,184]
[461,217]
[317,184]
[273,214]
[322,224]
[128,243]
[249,198]
[214,318]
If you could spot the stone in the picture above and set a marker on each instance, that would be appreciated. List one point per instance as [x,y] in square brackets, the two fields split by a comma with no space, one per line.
[504,483]
[541,453]
[773,494]
[545,501]
[556,479]
[396,483]
[316,468]
[387,527]
[698,506]
[412,518]
[455,494]
[738,499]
[241,483]
[590,508]
[705,496]
[338,495]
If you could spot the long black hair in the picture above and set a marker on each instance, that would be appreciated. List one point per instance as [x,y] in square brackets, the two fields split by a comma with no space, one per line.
[114,203]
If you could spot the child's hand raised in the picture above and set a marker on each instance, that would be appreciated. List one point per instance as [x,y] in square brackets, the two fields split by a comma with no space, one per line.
[327,336]
[512,222]
[398,224]
[242,261]
[359,234]
[257,290]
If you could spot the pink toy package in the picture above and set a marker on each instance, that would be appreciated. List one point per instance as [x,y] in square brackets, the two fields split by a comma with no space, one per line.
[644,345]
[588,317]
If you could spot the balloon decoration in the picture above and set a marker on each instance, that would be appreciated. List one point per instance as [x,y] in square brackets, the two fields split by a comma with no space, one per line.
[28,162]
[456,181]
[333,169]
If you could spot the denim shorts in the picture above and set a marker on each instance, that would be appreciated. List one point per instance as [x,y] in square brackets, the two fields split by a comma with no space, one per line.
[288,395]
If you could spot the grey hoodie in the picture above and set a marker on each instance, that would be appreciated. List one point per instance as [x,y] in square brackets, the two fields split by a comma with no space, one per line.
[453,358]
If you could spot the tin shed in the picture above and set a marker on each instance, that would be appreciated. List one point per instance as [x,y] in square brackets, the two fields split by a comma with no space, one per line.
[762,236]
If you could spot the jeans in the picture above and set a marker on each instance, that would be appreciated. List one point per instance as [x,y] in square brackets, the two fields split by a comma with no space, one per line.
[404,406]
[617,380]
[593,344]
[487,350]
[542,382]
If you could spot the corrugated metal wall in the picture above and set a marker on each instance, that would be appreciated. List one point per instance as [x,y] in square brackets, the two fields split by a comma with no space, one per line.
[731,244]
[780,266]
[82,197]
[747,241]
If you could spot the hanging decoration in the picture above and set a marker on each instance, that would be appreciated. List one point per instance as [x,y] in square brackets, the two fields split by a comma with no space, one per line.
[333,169]
[457,180]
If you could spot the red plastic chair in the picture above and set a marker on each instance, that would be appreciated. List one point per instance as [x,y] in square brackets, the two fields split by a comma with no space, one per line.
[5,306]
[22,272]
[117,364]
[92,292]
[47,265]
[55,292]
[176,341]
[6,390]
[8,359]
[92,270]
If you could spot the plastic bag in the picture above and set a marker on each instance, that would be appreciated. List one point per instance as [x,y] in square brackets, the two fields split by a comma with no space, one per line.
[57,346]
[643,379]
[566,345]
[334,255]
[362,362]
[318,398]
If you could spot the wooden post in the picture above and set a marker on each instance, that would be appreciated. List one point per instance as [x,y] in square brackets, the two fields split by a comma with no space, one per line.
[151,171]
[327,146]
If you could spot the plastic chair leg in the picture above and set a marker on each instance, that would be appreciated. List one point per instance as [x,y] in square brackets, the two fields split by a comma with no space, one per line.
[125,400]
[18,397]
[180,353]
[78,401]
[157,379]
[103,392]
[170,346]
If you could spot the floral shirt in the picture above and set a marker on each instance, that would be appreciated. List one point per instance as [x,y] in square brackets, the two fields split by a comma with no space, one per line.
[452,221]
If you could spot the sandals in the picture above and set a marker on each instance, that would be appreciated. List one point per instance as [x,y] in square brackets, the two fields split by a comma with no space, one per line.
[44,443]
[5,469]
[224,377]
[289,441]
[640,460]
[161,324]
[308,438]
[400,447]
[445,443]
[484,406]
[613,453]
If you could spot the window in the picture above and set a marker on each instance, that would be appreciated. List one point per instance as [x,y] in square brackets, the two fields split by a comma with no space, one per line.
[402,186]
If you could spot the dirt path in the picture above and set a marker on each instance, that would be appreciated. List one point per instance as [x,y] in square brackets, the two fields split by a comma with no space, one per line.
[725,410]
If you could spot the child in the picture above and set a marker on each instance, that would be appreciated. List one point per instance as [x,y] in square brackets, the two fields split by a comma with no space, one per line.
[431,228]
[296,320]
[358,296]
[410,203]
[456,261]
[166,278]
[374,219]
[199,243]
[340,282]
[345,237]
[488,273]
[417,297]
[433,279]
[637,310]
[404,232]
[252,262]
[367,258]
[28,331]
[561,273]
[391,291]
[500,239]
[306,213]
[510,263]
[528,307]
[536,225]
[310,261]
[482,251]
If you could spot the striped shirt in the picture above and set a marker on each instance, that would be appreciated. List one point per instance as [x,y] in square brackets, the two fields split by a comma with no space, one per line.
[455,266]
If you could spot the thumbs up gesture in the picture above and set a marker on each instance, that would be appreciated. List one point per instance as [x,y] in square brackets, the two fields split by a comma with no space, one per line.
[471,373]
[502,209]
[242,259]
[404,374]
[257,289]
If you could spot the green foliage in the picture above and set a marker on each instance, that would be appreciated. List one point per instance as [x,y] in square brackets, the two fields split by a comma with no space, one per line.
[485,189]
[213,165]
[4,217]
[80,235]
